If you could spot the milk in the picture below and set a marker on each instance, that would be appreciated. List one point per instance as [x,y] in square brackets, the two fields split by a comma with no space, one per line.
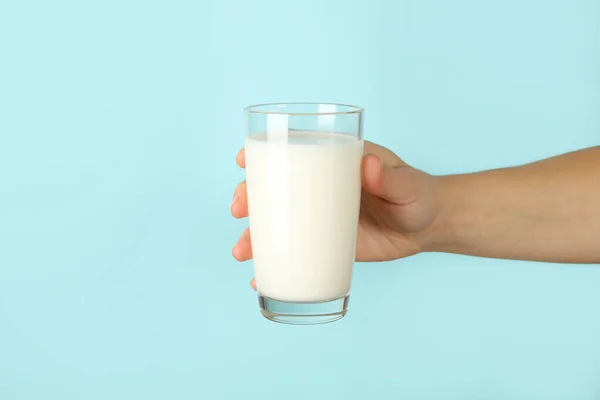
[304,199]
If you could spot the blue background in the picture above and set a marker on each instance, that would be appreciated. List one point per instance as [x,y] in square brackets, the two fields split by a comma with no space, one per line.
[119,125]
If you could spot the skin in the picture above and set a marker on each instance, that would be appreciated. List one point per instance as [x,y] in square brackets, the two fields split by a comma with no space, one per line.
[544,211]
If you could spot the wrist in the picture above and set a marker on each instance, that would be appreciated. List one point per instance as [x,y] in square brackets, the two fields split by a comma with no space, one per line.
[440,235]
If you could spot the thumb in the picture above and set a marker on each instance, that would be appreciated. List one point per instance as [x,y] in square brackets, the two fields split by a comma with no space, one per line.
[397,185]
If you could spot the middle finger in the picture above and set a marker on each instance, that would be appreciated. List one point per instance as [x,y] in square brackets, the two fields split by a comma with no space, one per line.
[239,205]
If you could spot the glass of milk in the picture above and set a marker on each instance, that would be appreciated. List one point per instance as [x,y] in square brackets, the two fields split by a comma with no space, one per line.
[303,175]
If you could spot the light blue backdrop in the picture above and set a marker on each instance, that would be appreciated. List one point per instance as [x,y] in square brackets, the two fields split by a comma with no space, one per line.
[119,124]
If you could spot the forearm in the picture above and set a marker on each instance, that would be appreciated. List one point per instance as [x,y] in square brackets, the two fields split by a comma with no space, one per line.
[545,211]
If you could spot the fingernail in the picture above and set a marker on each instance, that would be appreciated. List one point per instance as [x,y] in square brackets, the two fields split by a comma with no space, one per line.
[235,249]
[235,199]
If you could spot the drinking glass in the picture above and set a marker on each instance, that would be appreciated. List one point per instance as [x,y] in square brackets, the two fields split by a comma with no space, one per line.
[303,176]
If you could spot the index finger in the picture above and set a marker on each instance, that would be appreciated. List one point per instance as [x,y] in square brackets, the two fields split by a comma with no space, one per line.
[240,159]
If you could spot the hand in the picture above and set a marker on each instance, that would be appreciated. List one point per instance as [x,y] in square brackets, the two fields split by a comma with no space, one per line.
[399,204]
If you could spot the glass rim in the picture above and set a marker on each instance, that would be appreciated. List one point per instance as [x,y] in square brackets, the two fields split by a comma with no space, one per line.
[350,109]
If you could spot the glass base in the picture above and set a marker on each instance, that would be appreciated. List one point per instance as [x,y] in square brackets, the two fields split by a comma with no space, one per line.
[303,313]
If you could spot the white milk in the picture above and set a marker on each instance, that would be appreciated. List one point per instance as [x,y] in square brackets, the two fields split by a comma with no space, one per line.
[304,199]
